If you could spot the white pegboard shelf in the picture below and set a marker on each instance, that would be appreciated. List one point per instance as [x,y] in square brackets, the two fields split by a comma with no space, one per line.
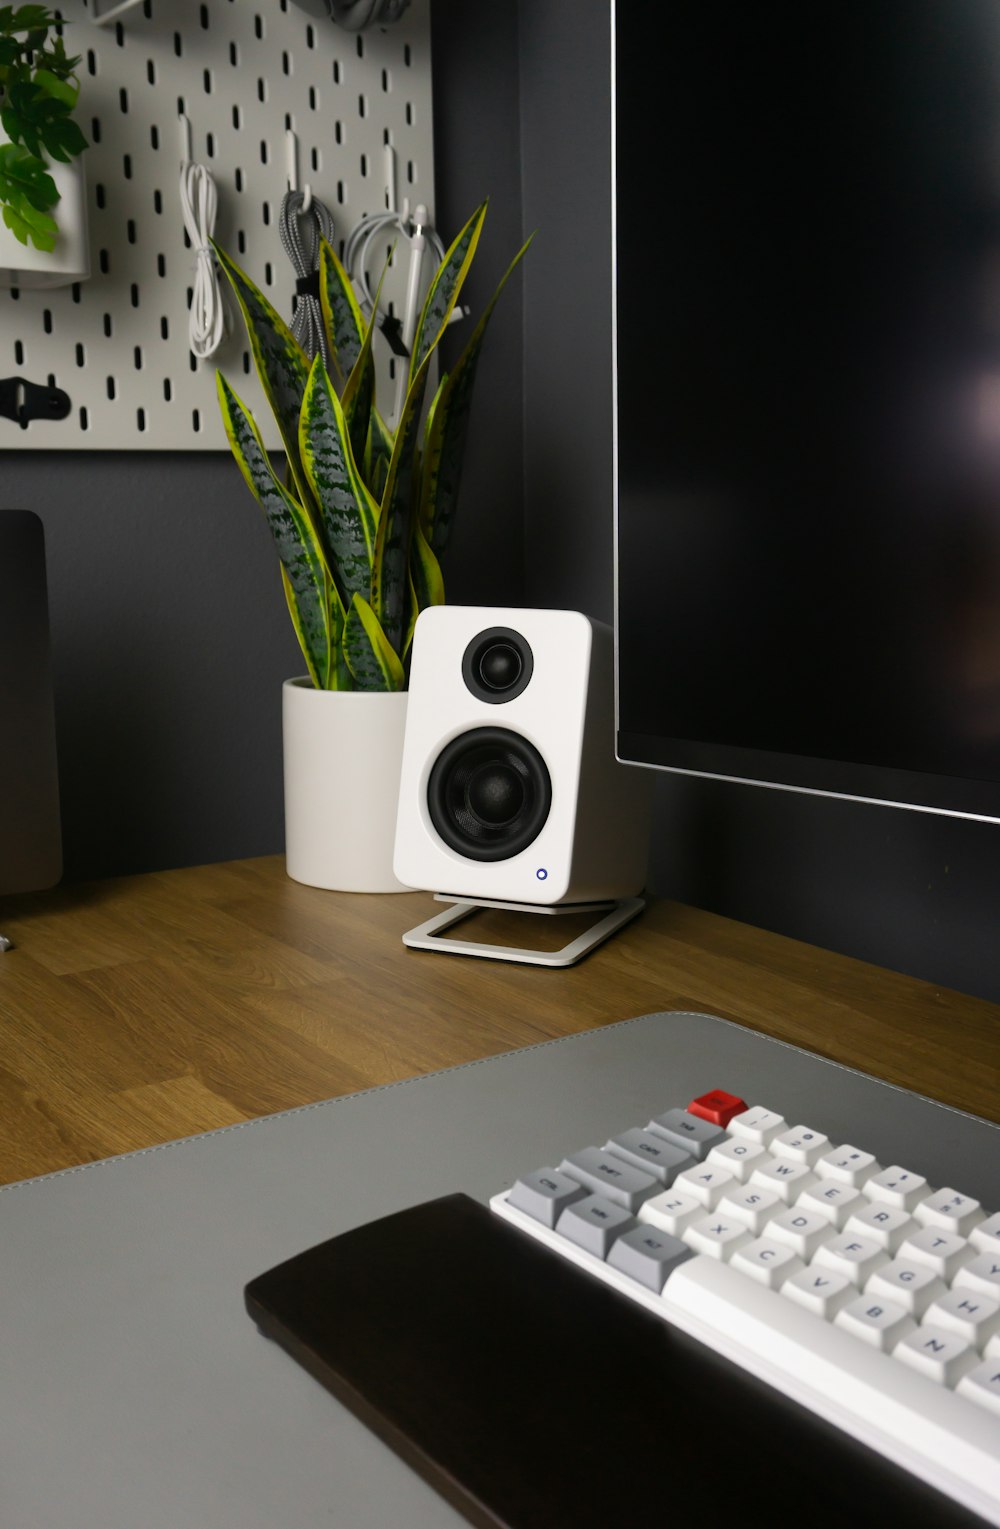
[243,72]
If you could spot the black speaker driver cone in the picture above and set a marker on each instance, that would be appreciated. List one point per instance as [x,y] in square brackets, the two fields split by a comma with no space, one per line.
[489,794]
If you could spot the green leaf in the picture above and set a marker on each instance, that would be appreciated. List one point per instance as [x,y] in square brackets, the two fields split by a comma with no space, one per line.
[27,223]
[373,662]
[378,454]
[446,429]
[306,577]
[53,85]
[444,289]
[24,176]
[358,397]
[281,363]
[347,511]
[342,317]
[390,571]
[425,571]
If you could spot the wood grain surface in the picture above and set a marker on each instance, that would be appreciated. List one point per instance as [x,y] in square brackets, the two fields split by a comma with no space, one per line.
[141,1009]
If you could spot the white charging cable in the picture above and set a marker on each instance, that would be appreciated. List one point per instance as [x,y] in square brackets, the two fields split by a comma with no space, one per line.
[199,204]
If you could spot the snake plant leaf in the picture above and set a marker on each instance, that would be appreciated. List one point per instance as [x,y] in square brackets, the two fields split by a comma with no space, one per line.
[347,511]
[374,663]
[443,292]
[390,568]
[342,317]
[378,454]
[305,574]
[425,570]
[447,426]
[282,364]
[358,398]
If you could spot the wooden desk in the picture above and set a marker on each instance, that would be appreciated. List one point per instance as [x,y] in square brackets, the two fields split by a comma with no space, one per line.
[137,1010]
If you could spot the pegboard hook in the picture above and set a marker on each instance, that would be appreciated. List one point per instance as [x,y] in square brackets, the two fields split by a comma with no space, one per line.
[292,148]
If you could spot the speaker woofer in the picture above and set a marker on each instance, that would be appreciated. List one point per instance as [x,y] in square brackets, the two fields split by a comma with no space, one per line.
[489,793]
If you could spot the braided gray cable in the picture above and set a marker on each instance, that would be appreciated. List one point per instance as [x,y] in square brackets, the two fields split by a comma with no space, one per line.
[300,233]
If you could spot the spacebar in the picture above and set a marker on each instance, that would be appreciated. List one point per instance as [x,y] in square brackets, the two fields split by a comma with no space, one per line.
[935,1433]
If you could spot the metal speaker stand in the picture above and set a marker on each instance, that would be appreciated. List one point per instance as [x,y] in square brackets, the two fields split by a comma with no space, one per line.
[615,913]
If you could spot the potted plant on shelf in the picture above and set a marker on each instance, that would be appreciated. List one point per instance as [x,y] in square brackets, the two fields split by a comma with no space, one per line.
[44,239]
[360,519]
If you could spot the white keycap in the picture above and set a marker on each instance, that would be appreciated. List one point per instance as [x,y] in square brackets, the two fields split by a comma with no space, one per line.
[820,1291]
[706,1184]
[897,1187]
[832,1200]
[757,1124]
[943,1252]
[982,1386]
[986,1236]
[950,1211]
[801,1145]
[784,1178]
[910,1285]
[718,1236]
[880,1323]
[851,1255]
[888,1406]
[671,1212]
[847,1165]
[884,1224]
[976,1318]
[801,1230]
[934,1351]
[981,1274]
[753,1206]
[737,1157]
[768,1262]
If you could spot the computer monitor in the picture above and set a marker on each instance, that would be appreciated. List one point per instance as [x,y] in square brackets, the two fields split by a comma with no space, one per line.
[807,395]
[30,836]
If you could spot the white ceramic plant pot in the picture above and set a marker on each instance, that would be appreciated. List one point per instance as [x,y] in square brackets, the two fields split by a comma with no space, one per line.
[22,265]
[343,754]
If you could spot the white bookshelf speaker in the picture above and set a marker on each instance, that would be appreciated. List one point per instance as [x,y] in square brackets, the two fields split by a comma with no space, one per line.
[510,792]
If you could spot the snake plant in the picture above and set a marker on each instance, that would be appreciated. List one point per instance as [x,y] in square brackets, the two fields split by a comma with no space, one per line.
[362,514]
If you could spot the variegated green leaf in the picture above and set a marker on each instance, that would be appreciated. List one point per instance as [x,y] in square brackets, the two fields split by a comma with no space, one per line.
[347,512]
[390,586]
[358,398]
[282,364]
[303,567]
[341,677]
[444,289]
[446,428]
[428,583]
[378,454]
[374,663]
[342,317]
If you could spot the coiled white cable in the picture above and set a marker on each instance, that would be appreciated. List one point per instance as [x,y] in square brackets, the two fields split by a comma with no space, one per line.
[199,203]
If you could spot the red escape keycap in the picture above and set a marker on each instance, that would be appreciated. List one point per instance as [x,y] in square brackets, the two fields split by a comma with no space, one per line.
[717,1106]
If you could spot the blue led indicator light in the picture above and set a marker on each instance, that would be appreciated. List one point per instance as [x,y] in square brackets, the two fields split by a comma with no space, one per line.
[541,873]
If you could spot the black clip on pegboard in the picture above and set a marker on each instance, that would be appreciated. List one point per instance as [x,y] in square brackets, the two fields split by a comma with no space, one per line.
[24,401]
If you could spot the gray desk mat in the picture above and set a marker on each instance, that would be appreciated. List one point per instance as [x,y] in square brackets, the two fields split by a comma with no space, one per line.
[137,1394]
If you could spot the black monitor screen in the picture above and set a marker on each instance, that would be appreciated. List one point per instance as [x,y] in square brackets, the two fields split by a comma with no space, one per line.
[807,335]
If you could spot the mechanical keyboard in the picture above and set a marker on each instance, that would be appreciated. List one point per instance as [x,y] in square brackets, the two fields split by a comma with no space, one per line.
[539,1380]
[853,1286]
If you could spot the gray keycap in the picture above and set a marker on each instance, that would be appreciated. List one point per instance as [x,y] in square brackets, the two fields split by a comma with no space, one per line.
[648,1255]
[545,1194]
[690,1132]
[594,1223]
[611,1176]
[652,1153]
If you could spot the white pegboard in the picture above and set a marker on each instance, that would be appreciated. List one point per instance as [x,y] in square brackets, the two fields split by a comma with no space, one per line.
[243,71]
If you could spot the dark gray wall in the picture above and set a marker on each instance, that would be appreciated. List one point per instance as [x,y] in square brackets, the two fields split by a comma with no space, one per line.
[907,890]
